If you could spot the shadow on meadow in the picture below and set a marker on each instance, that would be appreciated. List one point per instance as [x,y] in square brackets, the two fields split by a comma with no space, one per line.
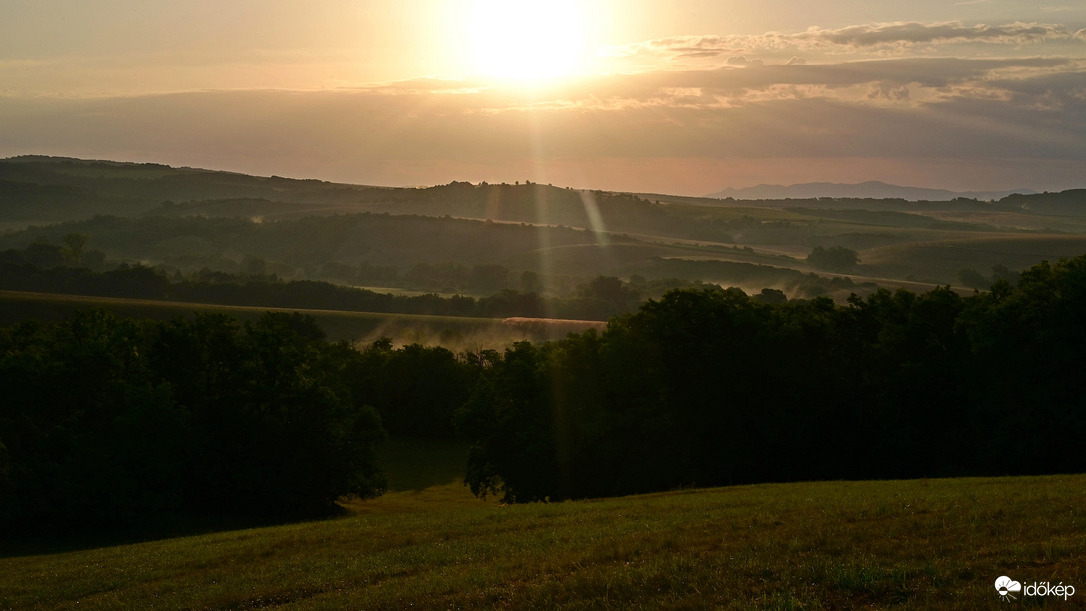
[34,542]
[417,469]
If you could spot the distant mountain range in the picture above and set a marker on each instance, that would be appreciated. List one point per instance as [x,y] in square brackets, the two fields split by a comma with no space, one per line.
[872,189]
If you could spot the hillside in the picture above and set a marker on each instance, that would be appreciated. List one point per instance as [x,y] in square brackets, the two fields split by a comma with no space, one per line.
[866,190]
[186,219]
[428,544]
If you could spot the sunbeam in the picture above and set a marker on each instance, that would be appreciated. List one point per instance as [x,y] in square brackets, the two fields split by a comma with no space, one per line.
[595,219]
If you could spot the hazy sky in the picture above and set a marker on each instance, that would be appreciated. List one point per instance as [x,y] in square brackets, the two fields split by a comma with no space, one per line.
[683,97]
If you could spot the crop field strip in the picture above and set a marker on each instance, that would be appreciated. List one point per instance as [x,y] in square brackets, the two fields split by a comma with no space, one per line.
[364,327]
[1036,247]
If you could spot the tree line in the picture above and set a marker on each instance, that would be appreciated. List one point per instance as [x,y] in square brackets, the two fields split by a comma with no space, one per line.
[122,425]
[109,423]
[712,387]
[54,269]
[116,425]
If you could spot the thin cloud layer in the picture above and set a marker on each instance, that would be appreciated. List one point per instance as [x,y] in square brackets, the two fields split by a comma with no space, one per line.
[883,38]
[906,34]
[883,101]
[974,109]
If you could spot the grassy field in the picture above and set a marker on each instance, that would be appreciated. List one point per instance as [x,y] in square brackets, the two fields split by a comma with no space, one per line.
[454,332]
[429,544]
[942,259]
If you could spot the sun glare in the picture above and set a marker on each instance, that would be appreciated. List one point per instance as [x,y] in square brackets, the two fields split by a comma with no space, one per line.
[526,39]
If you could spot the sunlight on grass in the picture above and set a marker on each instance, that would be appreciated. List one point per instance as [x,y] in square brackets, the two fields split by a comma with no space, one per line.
[922,543]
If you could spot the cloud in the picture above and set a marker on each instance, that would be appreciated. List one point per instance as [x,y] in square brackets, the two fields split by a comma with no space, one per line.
[740,60]
[913,33]
[929,79]
[885,37]
[888,91]
[674,45]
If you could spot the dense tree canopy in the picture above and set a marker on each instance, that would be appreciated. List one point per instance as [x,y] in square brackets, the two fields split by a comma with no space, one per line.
[108,421]
[709,386]
[836,258]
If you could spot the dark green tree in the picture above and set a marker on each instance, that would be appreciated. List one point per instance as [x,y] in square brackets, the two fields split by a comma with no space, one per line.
[834,258]
[74,246]
[509,420]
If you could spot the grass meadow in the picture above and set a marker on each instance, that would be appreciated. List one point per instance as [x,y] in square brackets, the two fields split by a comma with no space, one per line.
[429,544]
[942,259]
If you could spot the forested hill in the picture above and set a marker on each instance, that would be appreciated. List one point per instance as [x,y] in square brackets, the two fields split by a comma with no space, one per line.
[39,189]
[1071,202]
[49,188]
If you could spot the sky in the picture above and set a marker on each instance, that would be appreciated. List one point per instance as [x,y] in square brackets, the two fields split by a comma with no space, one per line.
[682,97]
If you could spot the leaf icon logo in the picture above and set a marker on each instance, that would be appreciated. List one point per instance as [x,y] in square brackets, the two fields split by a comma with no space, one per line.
[1005,585]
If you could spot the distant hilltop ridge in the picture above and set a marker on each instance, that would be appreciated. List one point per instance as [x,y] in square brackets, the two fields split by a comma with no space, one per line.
[871,189]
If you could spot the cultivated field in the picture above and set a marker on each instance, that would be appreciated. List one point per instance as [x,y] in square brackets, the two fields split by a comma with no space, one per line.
[454,332]
[429,544]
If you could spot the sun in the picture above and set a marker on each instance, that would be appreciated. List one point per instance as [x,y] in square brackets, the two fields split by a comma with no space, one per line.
[526,39]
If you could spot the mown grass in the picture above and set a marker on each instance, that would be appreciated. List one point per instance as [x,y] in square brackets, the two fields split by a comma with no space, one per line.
[429,544]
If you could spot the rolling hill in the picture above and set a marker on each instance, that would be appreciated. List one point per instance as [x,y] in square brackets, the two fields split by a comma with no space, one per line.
[187,219]
[428,544]
[866,190]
